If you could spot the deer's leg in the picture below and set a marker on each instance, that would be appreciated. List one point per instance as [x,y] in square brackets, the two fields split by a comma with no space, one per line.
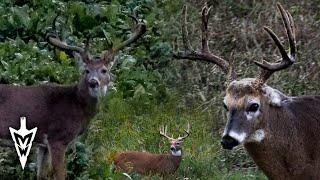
[57,152]
[43,163]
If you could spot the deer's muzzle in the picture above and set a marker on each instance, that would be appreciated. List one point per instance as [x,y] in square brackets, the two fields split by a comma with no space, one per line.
[228,142]
[93,83]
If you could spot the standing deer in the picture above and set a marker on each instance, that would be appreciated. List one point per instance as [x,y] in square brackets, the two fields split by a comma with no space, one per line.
[60,113]
[278,131]
[145,162]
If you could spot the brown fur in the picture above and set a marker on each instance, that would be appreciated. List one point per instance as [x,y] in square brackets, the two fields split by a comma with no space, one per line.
[145,163]
[290,149]
[59,112]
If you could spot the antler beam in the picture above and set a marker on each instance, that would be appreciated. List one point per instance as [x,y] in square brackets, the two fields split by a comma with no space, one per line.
[56,42]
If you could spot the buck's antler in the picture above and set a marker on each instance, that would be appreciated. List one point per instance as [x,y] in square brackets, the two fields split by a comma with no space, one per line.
[139,30]
[204,53]
[187,131]
[55,41]
[287,58]
[163,132]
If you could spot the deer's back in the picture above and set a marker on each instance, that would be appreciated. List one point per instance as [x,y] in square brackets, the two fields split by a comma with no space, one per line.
[133,161]
[144,162]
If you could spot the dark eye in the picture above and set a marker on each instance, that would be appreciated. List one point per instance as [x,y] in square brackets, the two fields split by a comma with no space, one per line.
[103,71]
[253,107]
[87,71]
[225,107]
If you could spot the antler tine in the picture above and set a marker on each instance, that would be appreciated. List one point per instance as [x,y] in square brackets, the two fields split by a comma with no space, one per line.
[163,132]
[287,58]
[204,53]
[187,131]
[292,35]
[204,28]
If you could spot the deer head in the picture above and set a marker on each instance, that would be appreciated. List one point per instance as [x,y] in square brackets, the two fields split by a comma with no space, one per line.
[96,70]
[176,143]
[248,99]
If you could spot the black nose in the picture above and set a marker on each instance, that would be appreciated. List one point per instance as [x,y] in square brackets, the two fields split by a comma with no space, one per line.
[228,142]
[93,83]
[172,149]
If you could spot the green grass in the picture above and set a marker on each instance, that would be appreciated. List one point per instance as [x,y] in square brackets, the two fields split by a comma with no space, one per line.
[126,125]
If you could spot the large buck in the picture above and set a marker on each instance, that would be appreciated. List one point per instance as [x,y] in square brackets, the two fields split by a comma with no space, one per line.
[60,113]
[145,162]
[279,132]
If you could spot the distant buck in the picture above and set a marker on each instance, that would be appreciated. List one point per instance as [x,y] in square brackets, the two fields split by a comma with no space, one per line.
[60,113]
[145,163]
[281,133]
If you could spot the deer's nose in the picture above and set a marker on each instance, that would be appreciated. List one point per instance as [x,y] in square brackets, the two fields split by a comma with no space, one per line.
[228,142]
[93,83]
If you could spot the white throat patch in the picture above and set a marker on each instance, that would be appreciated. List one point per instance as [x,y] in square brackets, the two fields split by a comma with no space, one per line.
[257,136]
[240,137]
[176,153]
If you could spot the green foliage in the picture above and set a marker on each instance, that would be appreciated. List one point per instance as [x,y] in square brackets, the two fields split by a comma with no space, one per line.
[28,64]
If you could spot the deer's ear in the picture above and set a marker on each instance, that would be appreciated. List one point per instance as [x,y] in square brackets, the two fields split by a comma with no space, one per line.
[274,96]
[79,60]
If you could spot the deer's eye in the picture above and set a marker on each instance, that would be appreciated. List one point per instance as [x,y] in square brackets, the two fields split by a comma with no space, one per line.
[253,107]
[87,71]
[103,71]
[225,107]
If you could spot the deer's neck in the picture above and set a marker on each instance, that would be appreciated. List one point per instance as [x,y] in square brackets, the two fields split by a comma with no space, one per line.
[175,159]
[88,102]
